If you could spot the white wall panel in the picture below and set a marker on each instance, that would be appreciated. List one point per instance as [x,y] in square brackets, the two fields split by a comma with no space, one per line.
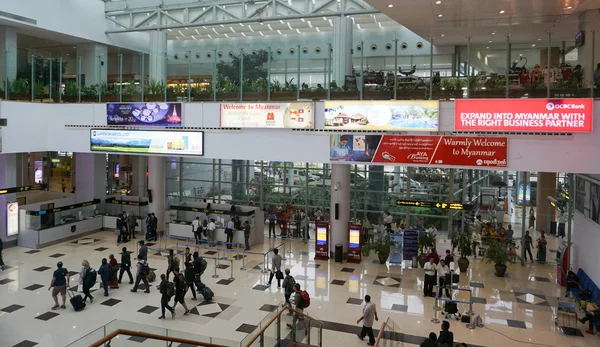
[41,127]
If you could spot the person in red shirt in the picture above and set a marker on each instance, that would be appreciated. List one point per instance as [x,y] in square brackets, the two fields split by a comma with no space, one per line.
[114,268]
[433,254]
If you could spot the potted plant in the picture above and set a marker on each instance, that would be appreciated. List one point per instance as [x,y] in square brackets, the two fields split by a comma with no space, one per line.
[255,90]
[154,91]
[70,92]
[382,247]
[281,92]
[19,90]
[498,254]
[464,243]
[426,241]
[131,92]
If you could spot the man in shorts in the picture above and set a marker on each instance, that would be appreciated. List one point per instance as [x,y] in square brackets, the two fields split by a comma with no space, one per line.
[60,280]
[180,289]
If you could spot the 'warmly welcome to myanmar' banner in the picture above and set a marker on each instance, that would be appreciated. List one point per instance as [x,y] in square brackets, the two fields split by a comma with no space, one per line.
[422,150]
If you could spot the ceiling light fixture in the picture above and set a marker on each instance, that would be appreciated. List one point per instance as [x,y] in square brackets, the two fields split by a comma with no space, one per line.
[318,30]
[250,27]
[232,30]
[358,26]
[279,32]
[493,33]
[210,37]
[227,36]
[243,34]
[281,21]
[290,26]
[222,26]
[390,5]
[533,45]
[490,41]
[440,15]
[379,23]
[215,30]
[303,20]
[197,32]
[438,2]
[539,39]
[324,18]
[310,24]
[269,26]
[442,35]
[241,24]
[180,33]
[488,47]
[261,33]
[330,23]
[169,30]
[501,11]
[298,31]
[569,7]
[203,27]
[193,37]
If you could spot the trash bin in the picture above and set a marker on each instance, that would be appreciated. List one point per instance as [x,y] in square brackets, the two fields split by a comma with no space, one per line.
[339,253]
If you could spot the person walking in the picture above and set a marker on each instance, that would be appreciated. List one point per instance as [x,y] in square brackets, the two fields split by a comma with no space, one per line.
[272,217]
[190,276]
[300,305]
[105,274]
[63,185]
[87,279]
[2,265]
[288,288]
[148,227]
[369,312]
[125,265]
[143,251]
[131,224]
[154,227]
[180,288]
[276,268]
[172,263]
[528,245]
[60,279]
[304,226]
[141,274]
[247,230]
[165,296]
[196,230]
[429,277]
[199,267]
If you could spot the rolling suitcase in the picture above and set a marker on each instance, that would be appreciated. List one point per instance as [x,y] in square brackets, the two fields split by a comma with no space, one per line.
[151,277]
[76,300]
[207,293]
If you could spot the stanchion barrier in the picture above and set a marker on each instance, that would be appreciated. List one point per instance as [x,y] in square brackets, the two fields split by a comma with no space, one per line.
[216,265]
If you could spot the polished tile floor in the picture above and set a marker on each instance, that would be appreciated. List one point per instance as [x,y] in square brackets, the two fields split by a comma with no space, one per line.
[517,310]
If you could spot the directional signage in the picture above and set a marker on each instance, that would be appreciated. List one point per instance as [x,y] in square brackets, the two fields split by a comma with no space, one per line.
[431,204]
[23,189]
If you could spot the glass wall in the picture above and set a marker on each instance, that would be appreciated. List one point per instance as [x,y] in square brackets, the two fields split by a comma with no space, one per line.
[307,186]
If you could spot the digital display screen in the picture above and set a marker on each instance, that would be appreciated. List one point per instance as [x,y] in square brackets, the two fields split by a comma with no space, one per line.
[321,235]
[354,241]
[147,141]
[146,114]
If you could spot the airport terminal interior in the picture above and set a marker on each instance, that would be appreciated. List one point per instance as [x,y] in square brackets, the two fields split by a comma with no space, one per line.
[300,172]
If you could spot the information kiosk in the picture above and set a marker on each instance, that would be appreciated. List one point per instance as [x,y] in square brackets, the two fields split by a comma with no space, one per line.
[354,243]
[322,244]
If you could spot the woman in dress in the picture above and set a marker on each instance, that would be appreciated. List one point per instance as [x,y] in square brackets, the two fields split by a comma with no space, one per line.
[541,246]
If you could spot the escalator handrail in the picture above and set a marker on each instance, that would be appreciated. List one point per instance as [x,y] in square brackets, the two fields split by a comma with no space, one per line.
[117,332]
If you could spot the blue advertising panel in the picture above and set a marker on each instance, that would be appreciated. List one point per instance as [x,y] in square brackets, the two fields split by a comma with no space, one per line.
[411,244]
[396,249]
[165,114]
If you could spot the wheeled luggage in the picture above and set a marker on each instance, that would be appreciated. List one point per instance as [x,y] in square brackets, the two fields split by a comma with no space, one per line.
[207,293]
[76,300]
[151,277]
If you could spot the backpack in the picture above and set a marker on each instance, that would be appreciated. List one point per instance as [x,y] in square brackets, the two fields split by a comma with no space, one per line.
[305,299]
[169,289]
[175,261]
[203,265]
[90,277]
[145,269]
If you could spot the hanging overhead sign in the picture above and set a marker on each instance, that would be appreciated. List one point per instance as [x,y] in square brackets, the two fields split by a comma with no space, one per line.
[23,189]
[147,141]
[431,204]
[398,115]
[290,115]
[534,115]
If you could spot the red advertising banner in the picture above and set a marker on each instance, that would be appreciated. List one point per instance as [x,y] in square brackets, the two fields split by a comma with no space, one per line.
[536,115]
[422,150]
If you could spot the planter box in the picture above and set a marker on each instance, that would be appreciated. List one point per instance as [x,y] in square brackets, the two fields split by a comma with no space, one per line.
[283,96]
[411,94]
[154,97]
[314,95]
[110,98]
[132,98]
[489,94]
[201,97]
[234,96]
[69,99]
[571,92]
[341,95]
[255,96]
[377,95]
[19,97]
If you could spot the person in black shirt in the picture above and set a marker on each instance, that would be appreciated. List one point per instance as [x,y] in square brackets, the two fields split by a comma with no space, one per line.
[449,258]
[180,288]
[190,276]
[165,298]
[446,337]
[528,244]
[431,341]
[125,265]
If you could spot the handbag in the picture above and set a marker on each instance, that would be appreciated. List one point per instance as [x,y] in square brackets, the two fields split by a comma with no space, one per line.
[278,275]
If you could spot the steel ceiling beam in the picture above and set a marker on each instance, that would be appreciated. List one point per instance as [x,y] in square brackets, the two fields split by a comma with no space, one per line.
[129,18]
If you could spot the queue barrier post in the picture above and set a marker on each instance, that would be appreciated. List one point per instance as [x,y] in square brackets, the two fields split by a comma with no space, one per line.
[216,264]
[231,278]
[265,262]
[243,268]
[436,309]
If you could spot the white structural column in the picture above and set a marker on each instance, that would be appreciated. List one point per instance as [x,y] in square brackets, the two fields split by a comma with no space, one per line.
[8,179]
[340,196]
[138,178]
[342,49]
[156,186]
[90,180]
[8,51]
[158,56]
[589,21]
[94,61]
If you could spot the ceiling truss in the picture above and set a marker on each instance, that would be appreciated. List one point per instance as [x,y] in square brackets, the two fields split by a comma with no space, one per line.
[149,15]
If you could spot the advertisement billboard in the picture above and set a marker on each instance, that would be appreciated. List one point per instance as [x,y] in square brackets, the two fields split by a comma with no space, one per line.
[12,218]
[322,243]
[422,150]
[147,141]
[534,115]
[289,115]
[165,114]
[354,243]
[399,115]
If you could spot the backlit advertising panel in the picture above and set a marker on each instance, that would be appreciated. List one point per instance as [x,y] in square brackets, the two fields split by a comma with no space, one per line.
[165,114]
[12,218]
[354,243]
[322,243]
[289,115]
[147,141]
[422,150]
[398,115]
[532,115]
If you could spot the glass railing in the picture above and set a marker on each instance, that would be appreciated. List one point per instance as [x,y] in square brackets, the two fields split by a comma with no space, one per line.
[389,335]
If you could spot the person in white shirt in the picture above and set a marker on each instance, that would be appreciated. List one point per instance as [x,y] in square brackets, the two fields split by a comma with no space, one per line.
[211,231]
[476,241]
[562,220]
[369,315]
[196,229]
[429,277]
[229,233]
[442,270]
[387,219]
[432,229]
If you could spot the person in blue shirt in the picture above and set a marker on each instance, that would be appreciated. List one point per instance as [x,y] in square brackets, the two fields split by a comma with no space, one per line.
[272,217]
[340,151]
[60,279]
[105,275]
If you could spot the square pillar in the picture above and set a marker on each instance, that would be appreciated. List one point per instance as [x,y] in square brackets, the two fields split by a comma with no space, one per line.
[90,180]
[8,179]
[340,196]
[94,60]
[156,185]
[8,54]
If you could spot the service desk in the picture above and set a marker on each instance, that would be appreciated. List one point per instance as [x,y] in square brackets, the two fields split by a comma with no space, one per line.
[38,238]
[183,230]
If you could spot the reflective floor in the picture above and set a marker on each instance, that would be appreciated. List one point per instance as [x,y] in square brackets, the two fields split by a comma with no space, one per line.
[517,310]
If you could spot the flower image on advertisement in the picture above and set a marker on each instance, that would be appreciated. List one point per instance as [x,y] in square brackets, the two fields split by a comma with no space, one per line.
[149,114]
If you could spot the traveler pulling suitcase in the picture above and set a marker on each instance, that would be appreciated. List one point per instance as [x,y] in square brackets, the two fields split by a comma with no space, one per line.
[207,293]
[76,300]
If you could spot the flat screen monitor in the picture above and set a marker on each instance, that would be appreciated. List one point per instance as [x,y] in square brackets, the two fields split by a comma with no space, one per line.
[579,39]
[354,241]
[321,235]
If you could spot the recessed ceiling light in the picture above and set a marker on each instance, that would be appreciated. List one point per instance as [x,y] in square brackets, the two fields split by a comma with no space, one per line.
[318,30]
[261,34]
[279,32]
[569,7]
[533,45]
[539,39]
[193,37]
[440,15]
[227,36]
[493,33]
[303,20]
[243,34]
[210,37]
[438,2]
[390,5]
[501,11]
[442,35]
[298,31]
[490,41]
[281,21]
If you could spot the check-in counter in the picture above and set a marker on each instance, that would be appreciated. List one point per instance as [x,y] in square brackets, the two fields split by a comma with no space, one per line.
[114,206]
[183,230]
[46,227]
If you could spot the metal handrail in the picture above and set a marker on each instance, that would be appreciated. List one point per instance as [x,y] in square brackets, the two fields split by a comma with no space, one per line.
[117,332]
[278,315]
[380,335]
